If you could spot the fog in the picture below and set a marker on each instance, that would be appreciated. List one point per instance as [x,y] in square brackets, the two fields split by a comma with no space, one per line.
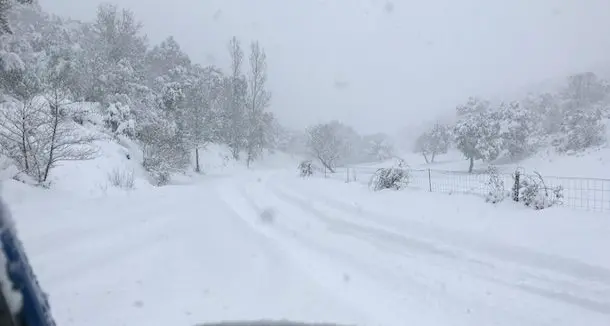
[380,65]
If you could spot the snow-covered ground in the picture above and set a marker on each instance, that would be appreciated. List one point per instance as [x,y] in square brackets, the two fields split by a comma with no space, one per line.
[592,163]
[239,244]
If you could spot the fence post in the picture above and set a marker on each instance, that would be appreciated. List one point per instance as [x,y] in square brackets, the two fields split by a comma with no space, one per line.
[516,186]
[429,181]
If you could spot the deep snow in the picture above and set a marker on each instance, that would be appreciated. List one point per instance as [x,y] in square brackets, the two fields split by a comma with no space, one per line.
[238,244]
[592,163]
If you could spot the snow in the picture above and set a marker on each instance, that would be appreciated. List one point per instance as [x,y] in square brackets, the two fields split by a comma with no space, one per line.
[264,243]
[592,163]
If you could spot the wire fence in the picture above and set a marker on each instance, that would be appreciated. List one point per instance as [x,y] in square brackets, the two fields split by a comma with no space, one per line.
[589,194]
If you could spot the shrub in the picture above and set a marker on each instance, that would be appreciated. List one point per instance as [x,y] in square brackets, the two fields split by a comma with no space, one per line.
[534,193]
[306,169]
[495,185]
[389,178]
[122,179]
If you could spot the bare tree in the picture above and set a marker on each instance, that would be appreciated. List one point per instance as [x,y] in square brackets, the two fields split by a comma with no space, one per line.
[234,132]
[258,99]
[33,131]
[325,144]
[61,140]
[19,122]
[20,115]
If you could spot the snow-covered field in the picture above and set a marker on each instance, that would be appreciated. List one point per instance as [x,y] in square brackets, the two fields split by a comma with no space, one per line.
[238,244]
[593,163]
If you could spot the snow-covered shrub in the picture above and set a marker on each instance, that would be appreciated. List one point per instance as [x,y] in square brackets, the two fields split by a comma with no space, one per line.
[164,151]
[536,194]
[306,169]
[119,120]
[83,112]
[401,163]
[495,186]
[122,179]
[389,178]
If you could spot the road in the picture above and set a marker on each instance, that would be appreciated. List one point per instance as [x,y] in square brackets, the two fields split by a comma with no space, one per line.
[271,245]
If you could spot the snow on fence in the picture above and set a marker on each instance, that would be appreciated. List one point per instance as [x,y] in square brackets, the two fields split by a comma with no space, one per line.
[590,194]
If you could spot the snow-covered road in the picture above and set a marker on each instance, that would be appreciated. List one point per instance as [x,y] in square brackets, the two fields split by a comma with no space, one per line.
[271,245]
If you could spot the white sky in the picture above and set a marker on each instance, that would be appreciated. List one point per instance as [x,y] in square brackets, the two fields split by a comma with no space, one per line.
[398,64]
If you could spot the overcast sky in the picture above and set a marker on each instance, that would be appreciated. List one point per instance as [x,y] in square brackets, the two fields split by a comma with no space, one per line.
[377,64]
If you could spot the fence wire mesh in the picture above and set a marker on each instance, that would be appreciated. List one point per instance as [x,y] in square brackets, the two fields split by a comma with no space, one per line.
[589,194]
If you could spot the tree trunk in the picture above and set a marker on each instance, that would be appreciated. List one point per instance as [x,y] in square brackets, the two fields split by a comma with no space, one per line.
[471,165]
[327,166]
[432,159]
[197,167]
[55,112]
[24,148]
[426,158]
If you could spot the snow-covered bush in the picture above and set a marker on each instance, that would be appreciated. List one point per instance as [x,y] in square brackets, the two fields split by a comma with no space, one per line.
[495,186]
[164,152]
[119,120]
[306,169]
[401,163]
[389,178]
[534,193]
[122,179]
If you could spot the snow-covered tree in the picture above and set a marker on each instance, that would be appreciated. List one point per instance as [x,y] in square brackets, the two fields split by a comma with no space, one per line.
[547,109]
[519,129]
[168,104]
[473,105]
[581,129]
[433,142]
[5,6]
[379,147]
[235,101]
[113,57]
[258,98]
[201,93]
[583,91]
[477,136]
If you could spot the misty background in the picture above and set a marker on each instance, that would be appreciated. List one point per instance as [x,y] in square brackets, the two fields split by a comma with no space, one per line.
[383,65]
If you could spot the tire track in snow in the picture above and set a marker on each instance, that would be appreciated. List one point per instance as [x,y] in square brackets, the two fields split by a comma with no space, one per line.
[417,292]
[520,255]
[592,295]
